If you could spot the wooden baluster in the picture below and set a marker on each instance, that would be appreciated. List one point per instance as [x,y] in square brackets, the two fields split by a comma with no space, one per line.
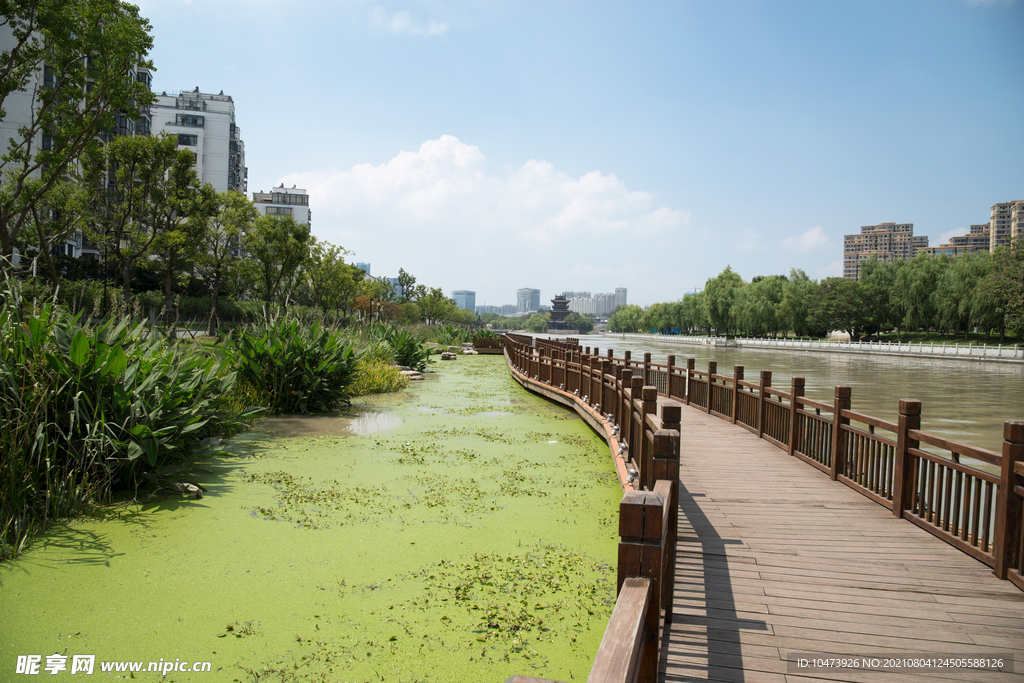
[904,484]
[797,391]
[691,363]
[766,381]
[841,402]
[605,398]
[1009,505]
[712,371]
[647,368]
[625,374]
[737,377]
[636,423]
[671,372]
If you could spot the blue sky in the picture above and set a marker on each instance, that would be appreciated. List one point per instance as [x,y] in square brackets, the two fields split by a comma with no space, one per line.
[592,145]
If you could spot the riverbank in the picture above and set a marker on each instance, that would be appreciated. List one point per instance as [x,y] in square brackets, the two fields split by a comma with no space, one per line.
[955,351]
[462,530]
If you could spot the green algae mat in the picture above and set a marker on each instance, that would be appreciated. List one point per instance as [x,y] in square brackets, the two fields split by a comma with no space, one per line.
[463,530]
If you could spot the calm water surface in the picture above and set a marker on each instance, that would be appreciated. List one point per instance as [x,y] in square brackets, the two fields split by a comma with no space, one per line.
[967,400]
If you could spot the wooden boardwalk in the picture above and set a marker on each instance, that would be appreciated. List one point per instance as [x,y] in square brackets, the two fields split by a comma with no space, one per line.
[775,559]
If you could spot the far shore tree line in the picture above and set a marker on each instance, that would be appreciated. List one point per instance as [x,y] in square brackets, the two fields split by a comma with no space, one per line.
[978,293]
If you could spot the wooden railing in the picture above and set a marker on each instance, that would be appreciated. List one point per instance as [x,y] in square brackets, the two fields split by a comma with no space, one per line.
[627,412]
[970,497]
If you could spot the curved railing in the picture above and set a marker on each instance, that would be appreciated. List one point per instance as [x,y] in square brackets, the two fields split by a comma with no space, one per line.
[970,497]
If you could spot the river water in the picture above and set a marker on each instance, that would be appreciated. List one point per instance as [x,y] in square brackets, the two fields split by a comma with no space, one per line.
[966,400]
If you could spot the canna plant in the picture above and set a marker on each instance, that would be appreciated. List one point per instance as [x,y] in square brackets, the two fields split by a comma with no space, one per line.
[87,410]
[296,368]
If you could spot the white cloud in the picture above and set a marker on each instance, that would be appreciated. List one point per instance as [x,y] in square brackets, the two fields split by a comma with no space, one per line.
[402,22]
[441,210]
[813,239]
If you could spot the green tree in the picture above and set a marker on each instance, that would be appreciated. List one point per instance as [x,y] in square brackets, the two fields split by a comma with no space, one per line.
[839,306]
[761,304]
[333,284]
[626,318]
[915,287]
[277,246]
[407,283]
[216,261]
[538,323]
[151,179]
[436,307]
[79,52]
[1002,290]
[798,295]
[720,293]
[878,287]
[578,321]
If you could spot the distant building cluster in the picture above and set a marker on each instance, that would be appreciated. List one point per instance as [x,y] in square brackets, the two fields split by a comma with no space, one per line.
[528,301]
[894,241]
[595,304]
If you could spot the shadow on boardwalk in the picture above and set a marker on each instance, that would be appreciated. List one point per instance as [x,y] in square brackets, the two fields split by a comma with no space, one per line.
[774,559]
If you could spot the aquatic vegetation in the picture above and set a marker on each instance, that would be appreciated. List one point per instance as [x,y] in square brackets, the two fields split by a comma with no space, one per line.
[295,368]
[377,377]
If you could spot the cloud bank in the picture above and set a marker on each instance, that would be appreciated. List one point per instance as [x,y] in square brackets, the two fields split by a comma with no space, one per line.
[443,215]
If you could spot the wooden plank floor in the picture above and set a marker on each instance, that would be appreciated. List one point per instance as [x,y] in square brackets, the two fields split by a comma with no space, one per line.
[775,559]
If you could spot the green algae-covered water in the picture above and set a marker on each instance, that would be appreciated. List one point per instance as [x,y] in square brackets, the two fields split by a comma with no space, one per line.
[463,530]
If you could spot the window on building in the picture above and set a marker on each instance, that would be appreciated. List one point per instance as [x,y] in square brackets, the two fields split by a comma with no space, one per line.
[279,210]
[190,120]
[190,140]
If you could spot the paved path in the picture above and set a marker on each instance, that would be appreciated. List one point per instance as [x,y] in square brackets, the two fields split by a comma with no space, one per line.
[776,559]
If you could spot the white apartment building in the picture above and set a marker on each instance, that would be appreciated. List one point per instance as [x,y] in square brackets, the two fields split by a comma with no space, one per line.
[1007,222]
[288,201]
[205,124]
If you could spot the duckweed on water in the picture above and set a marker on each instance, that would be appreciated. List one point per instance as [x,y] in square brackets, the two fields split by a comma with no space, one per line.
[451,544]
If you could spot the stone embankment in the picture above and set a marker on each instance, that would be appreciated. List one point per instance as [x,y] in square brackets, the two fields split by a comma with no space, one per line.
[956,351]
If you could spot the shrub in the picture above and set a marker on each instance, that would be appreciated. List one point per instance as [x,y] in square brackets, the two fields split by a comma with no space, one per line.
[377,377]
[295,368]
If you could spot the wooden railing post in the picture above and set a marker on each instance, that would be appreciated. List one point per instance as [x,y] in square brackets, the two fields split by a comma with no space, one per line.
[604,398]
[650,407]
[666,468]
[671,363]
[1009,504]
[737,377]
[766,381]
[841,402]
[691,363]
[641,519]
[903,480]
[647,368]
[712,371]
[796,392]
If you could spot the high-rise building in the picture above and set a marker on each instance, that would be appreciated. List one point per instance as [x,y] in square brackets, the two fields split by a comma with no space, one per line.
[1006,223]
[285,201]
[620,296]
[527,300]
[885,241]
[465,299]
[205,124]
[976,240]
[365,267]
